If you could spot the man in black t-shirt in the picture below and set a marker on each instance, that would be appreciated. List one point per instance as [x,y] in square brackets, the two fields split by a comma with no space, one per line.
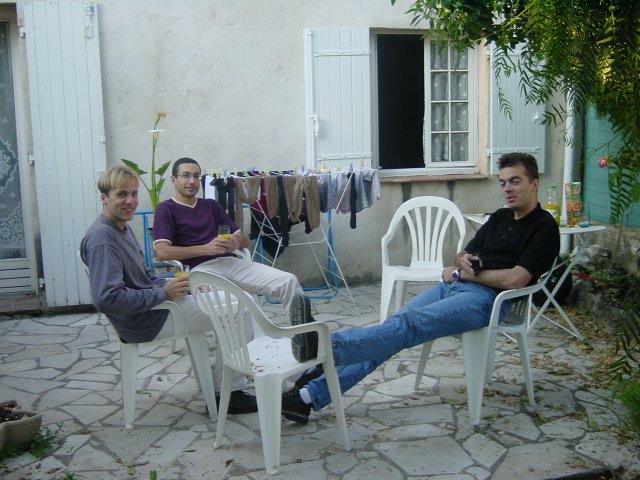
[516,245]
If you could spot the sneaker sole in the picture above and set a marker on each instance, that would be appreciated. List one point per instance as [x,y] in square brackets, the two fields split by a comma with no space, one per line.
[301,345]
[295,417]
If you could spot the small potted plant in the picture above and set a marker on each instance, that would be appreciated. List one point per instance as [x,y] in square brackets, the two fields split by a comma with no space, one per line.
[17,427]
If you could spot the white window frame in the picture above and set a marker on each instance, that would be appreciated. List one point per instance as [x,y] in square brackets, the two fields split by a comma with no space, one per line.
[430,168]
[471,165]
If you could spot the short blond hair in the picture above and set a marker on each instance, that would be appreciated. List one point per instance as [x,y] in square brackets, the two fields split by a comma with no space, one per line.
[116,177]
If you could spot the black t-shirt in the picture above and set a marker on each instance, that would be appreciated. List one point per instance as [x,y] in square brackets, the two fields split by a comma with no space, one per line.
[532,242]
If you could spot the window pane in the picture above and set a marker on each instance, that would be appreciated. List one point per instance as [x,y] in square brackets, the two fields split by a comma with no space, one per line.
[439,86]
[459,116]
[439,147]
[438,57]
[459,86]
[459,147]
[459,60]
[439,117]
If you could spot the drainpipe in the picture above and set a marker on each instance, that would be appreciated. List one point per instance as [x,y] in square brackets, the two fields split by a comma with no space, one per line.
[567,174]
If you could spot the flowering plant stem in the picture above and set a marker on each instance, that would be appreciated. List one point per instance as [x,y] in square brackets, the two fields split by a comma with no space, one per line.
[156,182]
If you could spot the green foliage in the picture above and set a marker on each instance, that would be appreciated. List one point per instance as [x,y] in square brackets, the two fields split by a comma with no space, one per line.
[41,444]
[623,290]
[588,51]
[630,398]
[156,182]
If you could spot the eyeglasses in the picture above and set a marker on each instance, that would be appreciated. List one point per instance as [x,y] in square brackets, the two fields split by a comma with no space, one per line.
[187,176]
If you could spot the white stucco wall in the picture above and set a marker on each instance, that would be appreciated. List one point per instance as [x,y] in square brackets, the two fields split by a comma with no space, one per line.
[230,77]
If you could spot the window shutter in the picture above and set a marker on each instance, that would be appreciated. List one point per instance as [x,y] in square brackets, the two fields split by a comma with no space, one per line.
[338,102]
[522,132]
[65,94]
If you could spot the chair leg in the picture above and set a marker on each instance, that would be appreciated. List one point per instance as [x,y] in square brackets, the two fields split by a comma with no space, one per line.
[129,373]
[474,346]
[336,399]
[385,295]
[225,395]
[526,366]
[490,356]
[401,293]
[198,347]
[269,397]
[424,356]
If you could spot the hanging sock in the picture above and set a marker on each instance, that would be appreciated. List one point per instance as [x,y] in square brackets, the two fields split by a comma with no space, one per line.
[283,212]
[353,199]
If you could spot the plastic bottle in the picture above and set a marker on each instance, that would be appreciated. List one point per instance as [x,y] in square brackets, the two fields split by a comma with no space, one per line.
[552,205]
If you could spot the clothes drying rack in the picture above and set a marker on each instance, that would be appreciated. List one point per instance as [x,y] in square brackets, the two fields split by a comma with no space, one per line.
[328,266]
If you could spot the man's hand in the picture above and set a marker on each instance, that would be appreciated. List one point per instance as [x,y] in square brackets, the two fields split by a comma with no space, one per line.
[236,240]
[467,263]
[447,273]
[218,246]
[177,287]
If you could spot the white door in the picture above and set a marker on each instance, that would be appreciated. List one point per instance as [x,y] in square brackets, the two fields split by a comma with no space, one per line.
[65,91]
[17,258]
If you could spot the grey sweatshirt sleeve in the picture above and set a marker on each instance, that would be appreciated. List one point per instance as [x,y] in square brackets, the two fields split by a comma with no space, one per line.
[116,289]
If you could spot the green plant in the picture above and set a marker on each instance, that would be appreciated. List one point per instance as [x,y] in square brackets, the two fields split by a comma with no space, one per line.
[42,443]
[630,398]
[587,51]
[156,182]
[625,370]
[69,476]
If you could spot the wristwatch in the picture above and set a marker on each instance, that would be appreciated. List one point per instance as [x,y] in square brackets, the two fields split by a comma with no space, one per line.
[456,275]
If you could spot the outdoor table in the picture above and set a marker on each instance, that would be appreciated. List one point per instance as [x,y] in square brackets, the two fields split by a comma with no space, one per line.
[570,263]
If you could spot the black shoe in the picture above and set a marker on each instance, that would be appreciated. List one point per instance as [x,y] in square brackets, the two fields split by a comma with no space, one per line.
[307,376]
[293,408]
[304,345]
[239,402]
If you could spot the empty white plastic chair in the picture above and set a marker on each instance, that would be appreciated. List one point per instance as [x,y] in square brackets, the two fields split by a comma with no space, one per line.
[267,358]
[428,220]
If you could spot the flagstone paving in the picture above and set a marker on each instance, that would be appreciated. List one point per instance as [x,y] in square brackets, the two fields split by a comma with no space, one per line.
[67,368]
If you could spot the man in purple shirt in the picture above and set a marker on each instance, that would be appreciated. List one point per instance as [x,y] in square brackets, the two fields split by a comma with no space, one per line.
[185,228]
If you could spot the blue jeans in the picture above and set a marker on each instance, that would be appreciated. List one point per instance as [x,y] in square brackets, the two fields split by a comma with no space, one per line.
[443,310]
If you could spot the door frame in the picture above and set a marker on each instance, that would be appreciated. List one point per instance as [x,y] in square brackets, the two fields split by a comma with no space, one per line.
[27,180]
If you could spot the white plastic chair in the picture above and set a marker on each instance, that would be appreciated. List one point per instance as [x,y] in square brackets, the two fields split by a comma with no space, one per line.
[197,345]
[267,358]
[478,346]
[428,219]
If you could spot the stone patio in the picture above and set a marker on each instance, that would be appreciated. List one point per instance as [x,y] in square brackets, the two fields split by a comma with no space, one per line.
[67,368]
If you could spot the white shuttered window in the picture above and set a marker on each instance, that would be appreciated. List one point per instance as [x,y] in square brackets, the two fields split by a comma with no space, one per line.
[522,130]
[402,102]
[338,99]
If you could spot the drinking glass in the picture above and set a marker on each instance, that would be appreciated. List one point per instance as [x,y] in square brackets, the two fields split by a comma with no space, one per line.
[224,232]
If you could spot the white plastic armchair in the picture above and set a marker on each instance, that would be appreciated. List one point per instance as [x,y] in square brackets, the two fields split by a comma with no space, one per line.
[478,346]
[197,346]
[268,358]
[428,219]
